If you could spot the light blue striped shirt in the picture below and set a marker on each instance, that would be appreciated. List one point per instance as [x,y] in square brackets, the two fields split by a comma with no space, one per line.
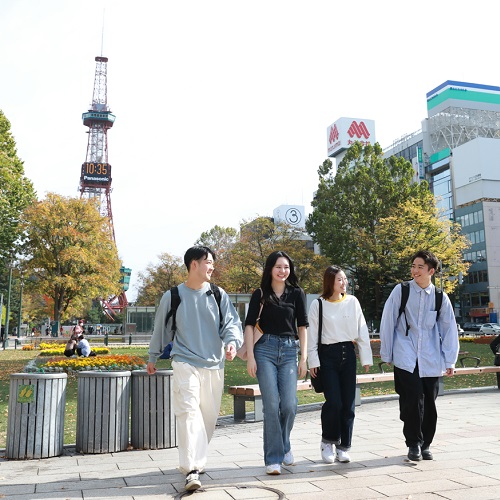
[433,344]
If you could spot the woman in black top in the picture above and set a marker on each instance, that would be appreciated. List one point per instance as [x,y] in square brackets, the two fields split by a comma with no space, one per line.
[273,359]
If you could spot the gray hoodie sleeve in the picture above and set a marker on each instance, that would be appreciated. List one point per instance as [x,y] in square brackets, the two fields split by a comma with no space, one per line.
[161,335]
[231,331]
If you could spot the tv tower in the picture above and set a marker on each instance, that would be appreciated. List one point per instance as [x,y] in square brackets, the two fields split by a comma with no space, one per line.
[95,178]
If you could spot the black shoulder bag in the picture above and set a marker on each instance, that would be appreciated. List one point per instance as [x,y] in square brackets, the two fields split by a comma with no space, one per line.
[317,381]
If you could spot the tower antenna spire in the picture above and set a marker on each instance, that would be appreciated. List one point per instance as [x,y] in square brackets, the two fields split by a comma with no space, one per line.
[102,32]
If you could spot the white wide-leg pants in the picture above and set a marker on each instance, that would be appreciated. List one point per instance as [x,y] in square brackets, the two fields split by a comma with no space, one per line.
[197,394]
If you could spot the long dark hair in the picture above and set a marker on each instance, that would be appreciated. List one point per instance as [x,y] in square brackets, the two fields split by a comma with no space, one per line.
[329,281]
[267,277]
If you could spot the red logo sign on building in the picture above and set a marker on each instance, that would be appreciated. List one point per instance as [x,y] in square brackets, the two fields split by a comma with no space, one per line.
[358,129]
[334,134]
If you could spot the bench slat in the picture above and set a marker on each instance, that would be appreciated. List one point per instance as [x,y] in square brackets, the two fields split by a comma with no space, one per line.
[374,377]
[478,369]
[254,389]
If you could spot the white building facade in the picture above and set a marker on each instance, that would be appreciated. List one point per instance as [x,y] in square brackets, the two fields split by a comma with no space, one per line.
[458,151]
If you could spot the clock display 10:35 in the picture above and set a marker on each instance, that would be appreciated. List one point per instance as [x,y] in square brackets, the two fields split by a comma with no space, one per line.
[90,168]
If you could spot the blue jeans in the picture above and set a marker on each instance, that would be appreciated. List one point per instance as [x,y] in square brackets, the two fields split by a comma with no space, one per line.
[276,359]
[338,371]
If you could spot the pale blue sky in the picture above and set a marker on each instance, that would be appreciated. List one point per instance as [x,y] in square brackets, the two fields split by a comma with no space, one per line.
[222,106]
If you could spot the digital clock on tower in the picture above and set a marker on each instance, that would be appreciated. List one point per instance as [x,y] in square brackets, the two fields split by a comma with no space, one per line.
[96,173]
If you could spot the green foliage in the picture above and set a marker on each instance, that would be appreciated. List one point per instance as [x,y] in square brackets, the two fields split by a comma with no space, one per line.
[221,241]
[16,191]
[260,237]
[413,228]
[70,253]
[240,261]
[370,216]
[158,278]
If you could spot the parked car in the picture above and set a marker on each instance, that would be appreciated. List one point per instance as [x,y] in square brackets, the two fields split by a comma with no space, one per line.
[472,327]
[490,328]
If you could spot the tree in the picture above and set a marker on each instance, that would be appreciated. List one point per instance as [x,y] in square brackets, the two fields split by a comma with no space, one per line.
[159,278]
[415,228]
[260,237]
[16,191]
[70,253]
[221,240]
[348,210]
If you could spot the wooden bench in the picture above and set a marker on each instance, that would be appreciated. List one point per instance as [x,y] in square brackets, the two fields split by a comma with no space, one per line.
[243,393]
[251,393]
[367,378]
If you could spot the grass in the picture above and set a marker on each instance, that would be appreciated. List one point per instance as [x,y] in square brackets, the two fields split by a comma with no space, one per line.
[13,361]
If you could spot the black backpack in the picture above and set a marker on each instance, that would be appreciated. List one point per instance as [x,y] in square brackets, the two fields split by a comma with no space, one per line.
[175,300]
[405,293]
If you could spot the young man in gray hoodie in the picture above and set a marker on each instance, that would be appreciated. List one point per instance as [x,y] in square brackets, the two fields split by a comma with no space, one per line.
[201,344]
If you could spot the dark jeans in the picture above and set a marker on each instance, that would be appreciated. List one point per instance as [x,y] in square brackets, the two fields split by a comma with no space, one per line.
[338,371]
[417,406]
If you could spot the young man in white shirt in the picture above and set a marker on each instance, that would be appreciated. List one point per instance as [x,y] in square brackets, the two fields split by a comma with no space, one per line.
[422,343]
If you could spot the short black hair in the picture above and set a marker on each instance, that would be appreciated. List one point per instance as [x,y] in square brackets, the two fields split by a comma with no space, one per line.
[428,257]
[197,253]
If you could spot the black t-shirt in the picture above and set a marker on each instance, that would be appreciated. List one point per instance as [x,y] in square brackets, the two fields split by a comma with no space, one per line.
[280,316]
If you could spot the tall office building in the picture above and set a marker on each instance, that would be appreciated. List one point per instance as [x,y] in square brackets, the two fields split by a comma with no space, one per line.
[458,151]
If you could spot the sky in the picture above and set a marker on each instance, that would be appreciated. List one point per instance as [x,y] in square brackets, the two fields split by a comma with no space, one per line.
[222,106]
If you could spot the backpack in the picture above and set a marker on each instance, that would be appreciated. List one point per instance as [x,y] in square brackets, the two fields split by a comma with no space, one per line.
[175,300]
[405,293]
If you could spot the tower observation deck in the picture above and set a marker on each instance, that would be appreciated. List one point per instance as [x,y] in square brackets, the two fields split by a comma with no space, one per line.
[95,178]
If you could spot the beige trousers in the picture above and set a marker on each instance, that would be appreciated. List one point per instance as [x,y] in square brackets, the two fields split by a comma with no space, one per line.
[197,394]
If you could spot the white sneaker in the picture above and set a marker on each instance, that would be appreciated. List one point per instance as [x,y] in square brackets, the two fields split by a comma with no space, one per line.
[288,458]
[273,469]
[327,453]
[342,456]
[193,480]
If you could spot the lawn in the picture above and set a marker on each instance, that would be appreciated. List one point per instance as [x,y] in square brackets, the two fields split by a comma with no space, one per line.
[13,361]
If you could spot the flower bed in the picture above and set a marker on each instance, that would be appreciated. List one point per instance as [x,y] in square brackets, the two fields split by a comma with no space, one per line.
[112,362]
[47,346]
[59,351]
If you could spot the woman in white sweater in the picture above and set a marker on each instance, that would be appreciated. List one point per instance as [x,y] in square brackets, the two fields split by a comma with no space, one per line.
[343,324]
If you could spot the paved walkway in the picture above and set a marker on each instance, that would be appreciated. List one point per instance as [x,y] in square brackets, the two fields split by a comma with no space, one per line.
[466,462]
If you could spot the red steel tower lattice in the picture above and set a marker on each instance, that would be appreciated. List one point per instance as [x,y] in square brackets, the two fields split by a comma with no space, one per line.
[95,179]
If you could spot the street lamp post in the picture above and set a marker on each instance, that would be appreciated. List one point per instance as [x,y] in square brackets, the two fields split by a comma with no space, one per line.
[6,343]
[20,318]
[1,312]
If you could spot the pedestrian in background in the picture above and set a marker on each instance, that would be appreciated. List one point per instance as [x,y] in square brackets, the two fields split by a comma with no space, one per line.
[343,324]
[273,359]
[422,343]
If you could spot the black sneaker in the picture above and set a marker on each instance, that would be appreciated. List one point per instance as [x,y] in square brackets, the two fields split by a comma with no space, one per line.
[427,453]
[193,480]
